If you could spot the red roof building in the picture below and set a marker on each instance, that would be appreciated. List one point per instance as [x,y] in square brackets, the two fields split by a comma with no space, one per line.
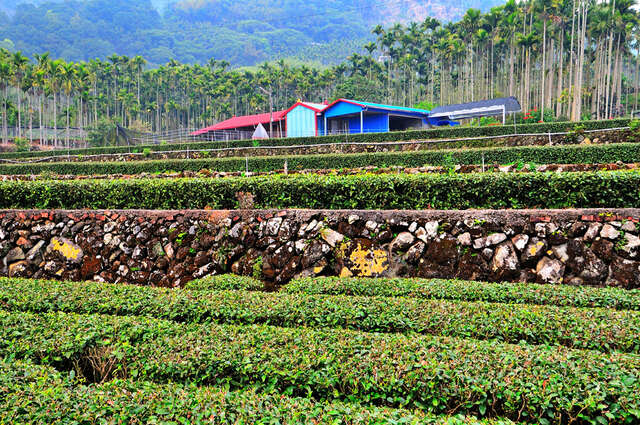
[249,123]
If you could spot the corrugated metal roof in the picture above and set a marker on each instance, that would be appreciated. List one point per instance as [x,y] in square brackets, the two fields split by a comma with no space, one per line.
[319,106]
[478,109]
[391,107]
[240,122]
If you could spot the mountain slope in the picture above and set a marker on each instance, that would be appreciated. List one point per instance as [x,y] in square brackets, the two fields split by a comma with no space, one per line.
[244,32]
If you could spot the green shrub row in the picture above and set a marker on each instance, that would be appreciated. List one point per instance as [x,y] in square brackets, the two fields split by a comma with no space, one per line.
[574,154]
[439,375]
[571,327]
[512,293]
[33,394]
[441,133]
[225,282]
[411,192]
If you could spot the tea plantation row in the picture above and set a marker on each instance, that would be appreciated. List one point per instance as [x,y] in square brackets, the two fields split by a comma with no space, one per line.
[40,394]
[441,133]
[571,327]
[537,384]
[534,190]
[439,289]
[575,154]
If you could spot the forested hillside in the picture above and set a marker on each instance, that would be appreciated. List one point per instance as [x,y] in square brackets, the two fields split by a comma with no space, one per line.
[573,59]
[241,32]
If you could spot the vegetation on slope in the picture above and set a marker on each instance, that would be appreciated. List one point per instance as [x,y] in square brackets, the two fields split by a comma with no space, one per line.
[615,189]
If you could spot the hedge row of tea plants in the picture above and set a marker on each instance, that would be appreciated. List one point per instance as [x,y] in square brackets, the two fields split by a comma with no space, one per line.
[441,133]
[571,327]
[439,289]
[33,394]
[413,192]
[225,282]
[537,384]
[576,154]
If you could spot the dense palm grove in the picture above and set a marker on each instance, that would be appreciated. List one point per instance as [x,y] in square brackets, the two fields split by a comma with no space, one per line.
[572,59]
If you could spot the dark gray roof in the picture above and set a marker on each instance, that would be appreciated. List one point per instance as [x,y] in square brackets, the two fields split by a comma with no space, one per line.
[481,108]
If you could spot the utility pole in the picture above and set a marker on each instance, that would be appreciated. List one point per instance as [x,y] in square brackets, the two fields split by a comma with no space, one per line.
[270,93]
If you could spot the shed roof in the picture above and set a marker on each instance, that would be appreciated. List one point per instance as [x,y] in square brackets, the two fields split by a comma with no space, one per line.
[481,108]
[317,107]
[381,106]
[244,121]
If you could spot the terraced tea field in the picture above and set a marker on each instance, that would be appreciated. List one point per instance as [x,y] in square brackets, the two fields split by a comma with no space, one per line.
[476,283]
[302,354]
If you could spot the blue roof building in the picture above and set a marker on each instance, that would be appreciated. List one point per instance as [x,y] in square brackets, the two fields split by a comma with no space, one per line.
[355,117]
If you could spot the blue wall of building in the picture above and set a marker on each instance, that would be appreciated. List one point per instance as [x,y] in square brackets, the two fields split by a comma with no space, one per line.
[301,122]
[372,123]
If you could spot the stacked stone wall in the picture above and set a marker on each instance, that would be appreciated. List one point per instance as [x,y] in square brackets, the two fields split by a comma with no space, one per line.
[169,248]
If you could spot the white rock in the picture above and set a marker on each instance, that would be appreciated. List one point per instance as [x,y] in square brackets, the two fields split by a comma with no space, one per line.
[331,236]
[371,225]
[479,243]
[520,241]
[353,218]
[550,271]
[301,245]
[465,239]
[413,227]
[560,252]
[632,246]
[505,259]
[108,227]
[609,232]
[403,241]
[592,232]
[273,225]
[495,239]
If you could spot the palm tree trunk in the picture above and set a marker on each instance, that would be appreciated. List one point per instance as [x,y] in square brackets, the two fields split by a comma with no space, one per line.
[40,116]
[19,114]
[635,100]
[560,75]
[4,117]
[544,69]
[68,107]
[30,124]
[571,62]
[55,119]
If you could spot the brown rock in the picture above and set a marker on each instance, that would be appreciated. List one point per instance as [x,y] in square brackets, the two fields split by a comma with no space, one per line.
[505,264]
[19,269]
[534,251]
[585,264]
[549,271]
[603,249]
[90,267]
[626,272]
[414,253]
[16,254]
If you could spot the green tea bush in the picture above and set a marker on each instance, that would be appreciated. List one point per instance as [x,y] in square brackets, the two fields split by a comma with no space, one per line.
[225,282]
[538,384]
[439,289]
[40,394]
[571,327]
[492,191]
[575,154]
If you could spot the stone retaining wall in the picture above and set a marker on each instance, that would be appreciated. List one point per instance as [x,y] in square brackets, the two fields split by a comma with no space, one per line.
[168,248]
